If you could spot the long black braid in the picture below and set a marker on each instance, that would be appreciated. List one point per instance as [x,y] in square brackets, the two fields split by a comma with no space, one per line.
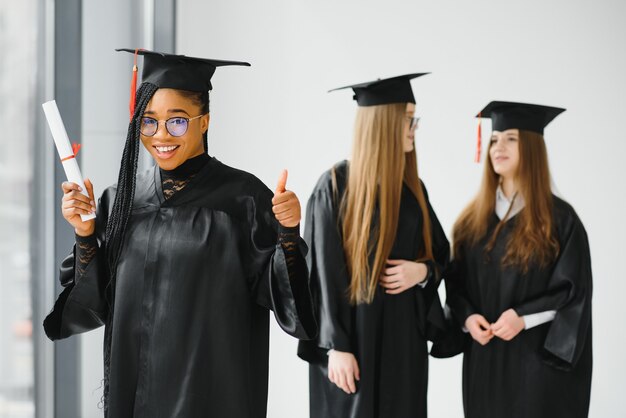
[123,203]
[120,213]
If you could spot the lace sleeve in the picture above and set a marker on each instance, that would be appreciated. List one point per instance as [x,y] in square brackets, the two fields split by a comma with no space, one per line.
[289,241]
[86,250]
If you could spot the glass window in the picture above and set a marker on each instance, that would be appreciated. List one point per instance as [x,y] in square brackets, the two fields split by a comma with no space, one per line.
[18,40]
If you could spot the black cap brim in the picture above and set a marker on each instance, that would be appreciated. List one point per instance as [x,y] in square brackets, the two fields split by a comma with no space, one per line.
[384,91]
[179,71]
[524,116]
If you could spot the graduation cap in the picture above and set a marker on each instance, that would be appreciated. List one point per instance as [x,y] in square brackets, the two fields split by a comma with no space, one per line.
[174,71]
[512,115]
[386,91]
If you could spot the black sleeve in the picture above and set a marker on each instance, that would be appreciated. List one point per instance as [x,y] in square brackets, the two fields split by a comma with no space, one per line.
[279,272]
[457,299]
[458,308]
[329,278]
[432,319]
[82,305]
[569,293]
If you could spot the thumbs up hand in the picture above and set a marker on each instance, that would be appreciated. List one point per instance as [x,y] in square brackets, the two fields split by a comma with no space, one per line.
[286,206]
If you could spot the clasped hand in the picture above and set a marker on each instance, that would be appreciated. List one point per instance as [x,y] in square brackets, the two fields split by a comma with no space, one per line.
[507,327]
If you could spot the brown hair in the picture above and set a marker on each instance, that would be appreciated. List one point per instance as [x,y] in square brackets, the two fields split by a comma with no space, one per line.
[533,237]
[378,168]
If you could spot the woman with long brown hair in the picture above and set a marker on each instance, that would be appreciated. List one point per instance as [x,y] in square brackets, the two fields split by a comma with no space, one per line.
[376,252]
[520,283]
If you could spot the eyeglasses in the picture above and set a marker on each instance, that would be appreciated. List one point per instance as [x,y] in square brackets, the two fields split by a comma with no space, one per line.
[176,126]
[413,123]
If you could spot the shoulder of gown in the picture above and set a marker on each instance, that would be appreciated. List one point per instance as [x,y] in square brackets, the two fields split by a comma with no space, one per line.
[332,180]
[234,182]
[565,217]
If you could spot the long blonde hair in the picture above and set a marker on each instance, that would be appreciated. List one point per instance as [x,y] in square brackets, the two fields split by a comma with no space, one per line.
[378,168]
[533,237]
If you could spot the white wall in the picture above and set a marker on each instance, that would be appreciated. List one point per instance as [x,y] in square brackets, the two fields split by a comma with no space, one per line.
[563,53]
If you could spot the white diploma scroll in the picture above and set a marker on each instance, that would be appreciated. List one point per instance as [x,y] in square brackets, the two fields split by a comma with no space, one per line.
[62,141]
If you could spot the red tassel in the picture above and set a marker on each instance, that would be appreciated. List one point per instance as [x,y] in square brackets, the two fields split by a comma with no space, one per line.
[75,148]
[479,140]
[133,87]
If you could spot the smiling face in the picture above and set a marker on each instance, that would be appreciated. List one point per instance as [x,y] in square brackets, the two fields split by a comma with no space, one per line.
[504,152]
[408,137]
[171,151]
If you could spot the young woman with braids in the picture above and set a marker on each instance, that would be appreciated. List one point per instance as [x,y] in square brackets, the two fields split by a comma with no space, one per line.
[376,253]
[182,263]
[520,283]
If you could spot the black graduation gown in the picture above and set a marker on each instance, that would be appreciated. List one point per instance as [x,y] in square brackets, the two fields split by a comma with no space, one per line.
[544,372]
[196,277]
[388,337]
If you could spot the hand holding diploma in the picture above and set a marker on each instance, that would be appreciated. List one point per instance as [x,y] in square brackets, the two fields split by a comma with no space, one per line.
[286,206]
[75,205]
[66,152]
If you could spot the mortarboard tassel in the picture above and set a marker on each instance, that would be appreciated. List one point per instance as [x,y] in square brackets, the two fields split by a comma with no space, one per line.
[133,87]
[479,139]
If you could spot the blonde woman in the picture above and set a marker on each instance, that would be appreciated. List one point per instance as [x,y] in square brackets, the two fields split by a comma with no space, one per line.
[520,283]
[376,250]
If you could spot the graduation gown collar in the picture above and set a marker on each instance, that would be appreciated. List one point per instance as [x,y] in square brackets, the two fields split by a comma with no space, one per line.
[188,168]
[196,166]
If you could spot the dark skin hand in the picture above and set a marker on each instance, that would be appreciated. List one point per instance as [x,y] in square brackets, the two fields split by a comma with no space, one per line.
[286,206]
[74,204]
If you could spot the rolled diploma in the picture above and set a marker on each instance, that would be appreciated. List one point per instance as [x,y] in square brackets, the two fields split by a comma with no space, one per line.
[62,142]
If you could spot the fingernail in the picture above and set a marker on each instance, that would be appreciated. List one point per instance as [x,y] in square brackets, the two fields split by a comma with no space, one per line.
[92,203]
